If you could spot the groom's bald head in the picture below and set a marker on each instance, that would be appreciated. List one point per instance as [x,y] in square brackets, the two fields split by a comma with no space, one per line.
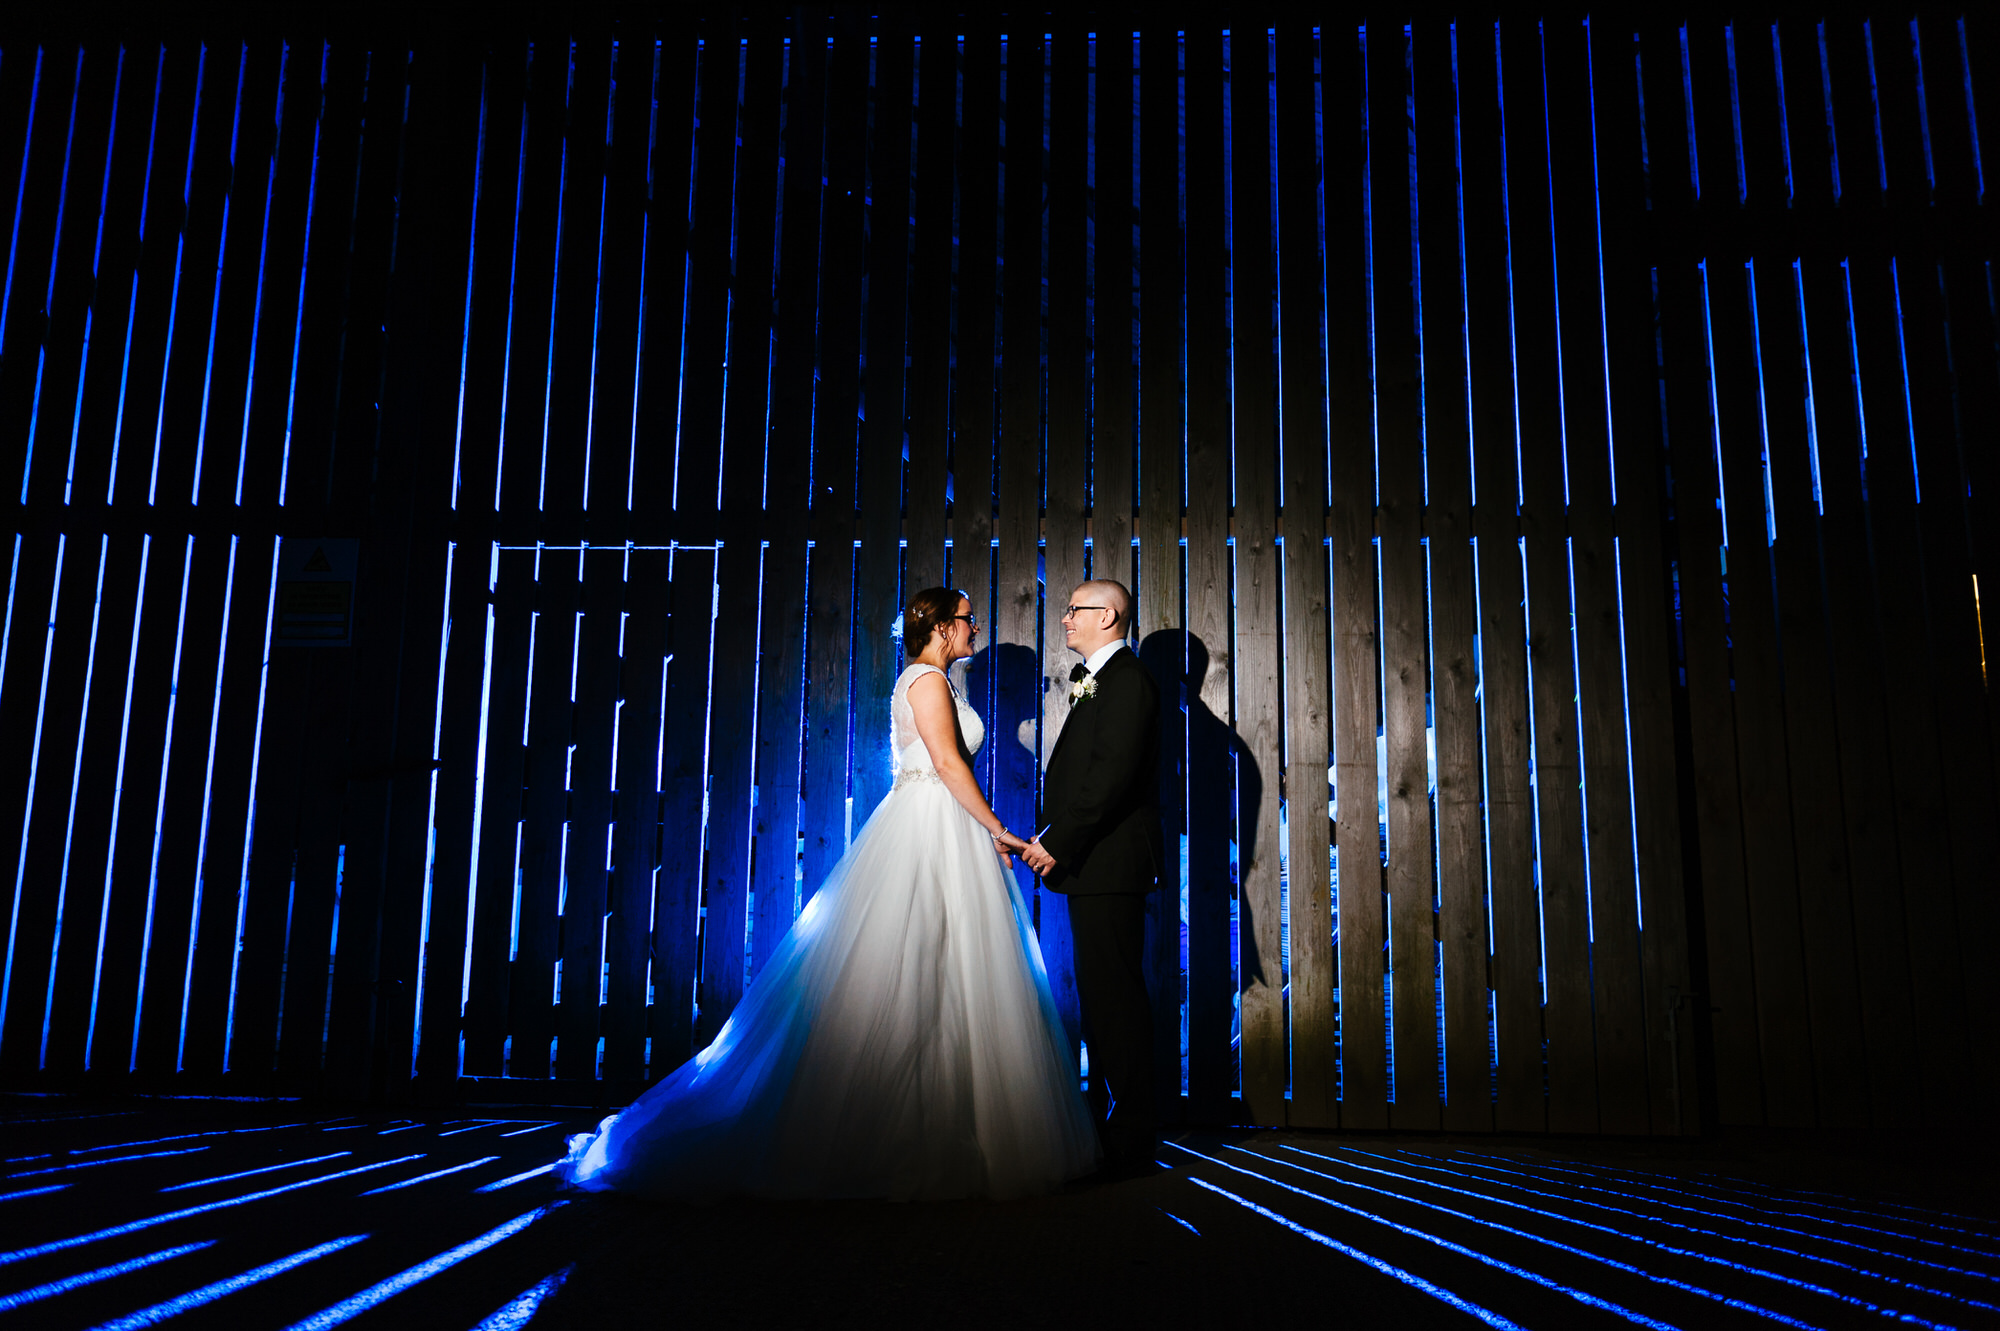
[1111,593]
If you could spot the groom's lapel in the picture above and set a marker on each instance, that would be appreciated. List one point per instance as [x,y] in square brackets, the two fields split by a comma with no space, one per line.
[1069,721]
[1069,724]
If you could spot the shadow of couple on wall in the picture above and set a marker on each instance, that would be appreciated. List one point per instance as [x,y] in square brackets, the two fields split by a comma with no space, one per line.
[1211,792]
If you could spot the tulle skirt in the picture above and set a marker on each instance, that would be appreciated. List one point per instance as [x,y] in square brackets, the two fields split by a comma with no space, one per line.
[901,1042]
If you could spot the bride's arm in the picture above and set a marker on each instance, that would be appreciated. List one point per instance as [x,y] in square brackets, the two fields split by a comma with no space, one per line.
[937,726]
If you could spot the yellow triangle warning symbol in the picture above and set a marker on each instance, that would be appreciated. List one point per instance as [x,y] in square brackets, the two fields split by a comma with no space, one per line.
[318,563]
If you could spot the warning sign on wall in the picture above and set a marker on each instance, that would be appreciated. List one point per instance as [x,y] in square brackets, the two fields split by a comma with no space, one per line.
[316,592]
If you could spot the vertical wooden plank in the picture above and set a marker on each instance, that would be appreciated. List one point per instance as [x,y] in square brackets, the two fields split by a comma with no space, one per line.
[1399,527]
[1066,526]
[677,923]
[162,845]
[111,205]
[836,434]
[332,283]
[1359,900]
[586,876]
[1310,922]
[1113,287]
[1962,350]
[265,419]
[145,960]
[652,155]
[782,604]
[35,561]
[1964,754]
[343,822]
[1838,1062]
[129,887]
[20,68]
[1645,595]
[55,936]
[113,903]
[404,579]
[547,581]
[54,737]
[589,464]
[1518,1088]
[85,902]
[1461,850]
[1552,684]
[678,930]
[187,130]
[1891,387]
[1212,758]
[1616,979]
[1258,712]
[172,135]
[462,922]
[35,252]
[279,986]
[1757,689]
[175,835]
[1691,445]
[545,844]
[928,399]
[878,562]
[975,352]
[741,566]
[222,801]
[228,595]
[1158,523]
[1015,668]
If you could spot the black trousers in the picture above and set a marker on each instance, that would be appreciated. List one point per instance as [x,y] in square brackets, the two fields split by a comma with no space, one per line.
[1108,933]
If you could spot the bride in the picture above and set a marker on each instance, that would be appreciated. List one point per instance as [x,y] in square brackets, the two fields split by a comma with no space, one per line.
[902,1041]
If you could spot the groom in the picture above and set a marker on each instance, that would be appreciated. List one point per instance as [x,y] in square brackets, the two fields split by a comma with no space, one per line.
[1102,849]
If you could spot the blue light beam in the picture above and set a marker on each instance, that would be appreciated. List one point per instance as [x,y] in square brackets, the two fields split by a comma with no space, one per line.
[512,1179]
[195,1298]
[264,1169]
[435,1173]
[1533,1277]
[1641,1179]
[108,1160]
[9,1302]
[1492,1319]
[1698,1255]
[192,1136]
[354,1306]
[1734,1238]
[98,1235]
[523,1306]
[1599,1258]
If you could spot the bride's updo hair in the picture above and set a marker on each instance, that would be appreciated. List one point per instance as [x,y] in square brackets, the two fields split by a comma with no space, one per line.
[928,610]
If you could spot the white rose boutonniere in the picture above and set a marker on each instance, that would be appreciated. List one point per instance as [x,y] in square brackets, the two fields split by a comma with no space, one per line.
[1083,689]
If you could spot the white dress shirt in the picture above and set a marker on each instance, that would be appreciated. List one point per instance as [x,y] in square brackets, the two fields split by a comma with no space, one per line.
[1095,661]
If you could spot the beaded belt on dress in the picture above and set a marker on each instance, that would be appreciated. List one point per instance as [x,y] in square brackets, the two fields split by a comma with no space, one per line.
[913,774]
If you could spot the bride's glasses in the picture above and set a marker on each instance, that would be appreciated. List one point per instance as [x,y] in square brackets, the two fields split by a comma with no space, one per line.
[970,619]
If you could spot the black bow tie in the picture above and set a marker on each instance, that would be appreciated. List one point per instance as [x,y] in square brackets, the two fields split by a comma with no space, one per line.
[1078,671]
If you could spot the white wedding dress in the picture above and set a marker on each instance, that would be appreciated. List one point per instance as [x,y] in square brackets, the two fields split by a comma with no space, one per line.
[901,1042]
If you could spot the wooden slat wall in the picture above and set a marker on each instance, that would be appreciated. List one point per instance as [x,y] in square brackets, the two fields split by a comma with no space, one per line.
[1560,447]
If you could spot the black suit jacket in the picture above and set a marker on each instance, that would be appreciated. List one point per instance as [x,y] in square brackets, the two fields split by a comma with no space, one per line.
[1101,792]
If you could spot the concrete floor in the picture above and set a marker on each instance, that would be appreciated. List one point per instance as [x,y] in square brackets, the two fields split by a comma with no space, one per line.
[1284,1229]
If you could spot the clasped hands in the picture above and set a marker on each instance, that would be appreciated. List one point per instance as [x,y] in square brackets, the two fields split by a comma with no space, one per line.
[1032,854]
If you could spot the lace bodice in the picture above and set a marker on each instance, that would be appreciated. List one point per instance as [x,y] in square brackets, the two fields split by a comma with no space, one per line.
[913,760]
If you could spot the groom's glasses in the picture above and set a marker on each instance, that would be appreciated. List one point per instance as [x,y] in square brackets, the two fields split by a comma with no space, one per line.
[1069,611]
